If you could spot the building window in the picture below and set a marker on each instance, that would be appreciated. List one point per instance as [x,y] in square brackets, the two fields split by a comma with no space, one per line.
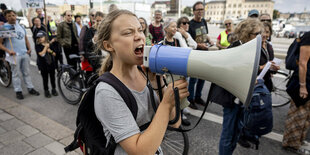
[228,12]
[239,12]
[229,5]
[235,5]
[265,11]
[240,5]
[262,5]
[234,12]
[257,5]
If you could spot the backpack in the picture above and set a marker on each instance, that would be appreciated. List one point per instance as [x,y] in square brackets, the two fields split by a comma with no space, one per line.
[291,59]
[89,135]
[258,118]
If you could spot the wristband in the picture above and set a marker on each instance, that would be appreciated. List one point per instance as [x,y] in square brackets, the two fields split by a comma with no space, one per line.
[302,84]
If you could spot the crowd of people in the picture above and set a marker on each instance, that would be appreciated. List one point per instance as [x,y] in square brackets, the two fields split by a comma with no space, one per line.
[119,36]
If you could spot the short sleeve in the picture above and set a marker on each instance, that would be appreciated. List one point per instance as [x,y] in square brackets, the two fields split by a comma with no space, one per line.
[39,48]
[219,37]
[305,40]
[113,113]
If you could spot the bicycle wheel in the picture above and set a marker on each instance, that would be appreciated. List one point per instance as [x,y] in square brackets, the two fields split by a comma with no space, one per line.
[70,88]
[175,143]
[5,73]
[279,94]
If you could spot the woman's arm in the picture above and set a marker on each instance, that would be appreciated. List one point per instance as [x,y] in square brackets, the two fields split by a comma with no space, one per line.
[303,60]
[45,49]
[149,141]
[191,42]
[179,37]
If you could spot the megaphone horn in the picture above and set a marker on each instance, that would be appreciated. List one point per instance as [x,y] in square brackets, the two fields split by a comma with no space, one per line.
[234,69]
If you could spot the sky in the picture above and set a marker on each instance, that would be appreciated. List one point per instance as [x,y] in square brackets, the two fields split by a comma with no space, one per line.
[281,5]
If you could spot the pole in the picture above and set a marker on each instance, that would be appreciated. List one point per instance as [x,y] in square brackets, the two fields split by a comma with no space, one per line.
[45,19]
[179,10]
[12,50]
[204,8]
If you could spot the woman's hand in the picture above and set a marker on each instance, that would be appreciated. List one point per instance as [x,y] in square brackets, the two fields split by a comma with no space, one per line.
[303,93]
[274,67]
[169,93]
[47,45]
[183,32]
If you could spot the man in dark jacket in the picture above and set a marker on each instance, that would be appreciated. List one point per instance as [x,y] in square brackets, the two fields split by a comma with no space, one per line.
[68,38]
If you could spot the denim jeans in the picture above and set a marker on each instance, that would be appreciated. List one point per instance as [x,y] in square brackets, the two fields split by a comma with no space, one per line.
[230,129]
[21,66]
[192,93]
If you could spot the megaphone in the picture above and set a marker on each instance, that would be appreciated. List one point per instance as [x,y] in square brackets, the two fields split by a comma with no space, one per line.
[234,69]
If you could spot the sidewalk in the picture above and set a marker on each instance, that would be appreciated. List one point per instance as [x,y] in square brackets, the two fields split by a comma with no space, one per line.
[24,131]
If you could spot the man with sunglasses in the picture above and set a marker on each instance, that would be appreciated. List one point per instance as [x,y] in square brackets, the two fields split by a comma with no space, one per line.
[67,36]
[198,29]
[222,39]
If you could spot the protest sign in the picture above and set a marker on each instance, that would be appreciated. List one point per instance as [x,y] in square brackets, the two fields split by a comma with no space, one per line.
[32,3]
[7,31]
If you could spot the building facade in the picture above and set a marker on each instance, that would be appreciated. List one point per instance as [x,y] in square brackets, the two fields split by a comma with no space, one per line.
[219,10]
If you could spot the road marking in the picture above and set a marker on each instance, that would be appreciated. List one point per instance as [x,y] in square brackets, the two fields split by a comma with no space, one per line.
[219,120]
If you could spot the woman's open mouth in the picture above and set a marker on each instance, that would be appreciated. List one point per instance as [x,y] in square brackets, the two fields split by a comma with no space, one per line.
[139,51]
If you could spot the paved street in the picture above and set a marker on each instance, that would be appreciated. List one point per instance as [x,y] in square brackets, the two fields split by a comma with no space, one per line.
[24,123]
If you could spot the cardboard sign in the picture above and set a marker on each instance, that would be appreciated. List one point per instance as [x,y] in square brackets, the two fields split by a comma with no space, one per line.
[7,31]
[32,3]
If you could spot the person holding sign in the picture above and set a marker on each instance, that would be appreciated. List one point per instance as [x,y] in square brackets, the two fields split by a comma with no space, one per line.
[17,50]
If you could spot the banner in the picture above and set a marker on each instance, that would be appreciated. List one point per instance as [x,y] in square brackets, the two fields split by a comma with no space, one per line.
[7,31]
[32,3]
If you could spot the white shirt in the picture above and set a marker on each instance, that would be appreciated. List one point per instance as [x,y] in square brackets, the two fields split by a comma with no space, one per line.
[189,42]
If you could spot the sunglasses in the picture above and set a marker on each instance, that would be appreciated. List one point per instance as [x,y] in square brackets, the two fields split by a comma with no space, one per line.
[199,10]
[227,24]
[266,20]
[93,15]
[69,15]
[184,23]
[257,33]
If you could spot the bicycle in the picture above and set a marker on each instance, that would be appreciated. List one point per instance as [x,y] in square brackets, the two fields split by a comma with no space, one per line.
[5,72]
[279,95]
[72,84]
[175,143]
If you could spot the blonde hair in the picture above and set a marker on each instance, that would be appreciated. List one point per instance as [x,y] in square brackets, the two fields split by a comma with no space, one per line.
[104,34]
[244,29]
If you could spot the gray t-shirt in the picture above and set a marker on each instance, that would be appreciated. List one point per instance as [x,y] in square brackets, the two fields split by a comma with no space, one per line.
[115,116]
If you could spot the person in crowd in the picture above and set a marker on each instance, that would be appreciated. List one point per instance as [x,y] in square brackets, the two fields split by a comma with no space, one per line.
[2,17]
[156,28]
[37,26]
[18,56]
[51,24]
[112,7]
[148,36]
[182,35]
[56,47]
[253,14]
[298,117]
[40,15]
[78,24]
[267,54]
[198,29]
[89,40]
[68,38]
[46,63]
[222,40]
[91,16]
[232,112]
[121,35]
[170,29]
[265,17]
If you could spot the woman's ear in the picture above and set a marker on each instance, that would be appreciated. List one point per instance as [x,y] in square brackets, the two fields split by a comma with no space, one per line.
[108,46]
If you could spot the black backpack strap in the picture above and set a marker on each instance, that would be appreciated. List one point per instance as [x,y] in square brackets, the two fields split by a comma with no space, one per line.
[124,92]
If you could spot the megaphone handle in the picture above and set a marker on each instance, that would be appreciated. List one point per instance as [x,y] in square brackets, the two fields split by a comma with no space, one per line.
[177,106]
